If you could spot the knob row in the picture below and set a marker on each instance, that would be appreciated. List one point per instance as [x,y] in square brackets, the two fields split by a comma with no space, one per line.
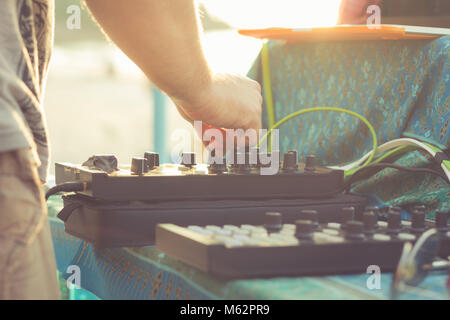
[244,161]
[140,166]
[309,222]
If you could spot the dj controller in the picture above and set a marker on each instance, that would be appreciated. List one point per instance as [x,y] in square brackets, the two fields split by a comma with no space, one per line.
[230,220]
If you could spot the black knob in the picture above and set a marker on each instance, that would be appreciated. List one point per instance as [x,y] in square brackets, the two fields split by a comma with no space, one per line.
[254,157]
[290,160]
[242,158]
[267,160]
[242,162]
[370,220]
[152,160]
[304,229]
[354,230]
[218,167]
[310,215]
[310,163]
[188,159]
[441,222]
[272,222]
[138,166]
[216,153]
[394,221]
[347,214]
[418,221]
[240,155]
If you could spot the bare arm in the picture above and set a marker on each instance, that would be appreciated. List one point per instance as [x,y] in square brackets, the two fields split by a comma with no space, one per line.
[162,38]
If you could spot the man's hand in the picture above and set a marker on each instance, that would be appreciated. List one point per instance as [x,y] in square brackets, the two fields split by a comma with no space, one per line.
[230,101]
[355,11]
[162,38]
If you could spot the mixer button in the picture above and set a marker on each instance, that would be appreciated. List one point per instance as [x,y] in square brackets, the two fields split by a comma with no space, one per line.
[381,237]
[310,215]
[138,166]
[394,221]
[441,220]
[354,230]
[188,159]
[304,229]
[152,159]
[418,221]
[290,160]
[272,222]
[347,214]
[310,163]
[406,236]
[369,221]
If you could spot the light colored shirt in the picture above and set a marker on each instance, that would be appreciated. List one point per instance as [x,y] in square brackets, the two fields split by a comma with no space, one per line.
[26,39]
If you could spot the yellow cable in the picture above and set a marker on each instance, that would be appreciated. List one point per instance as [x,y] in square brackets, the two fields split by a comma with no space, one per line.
[300,112]
[271,112]
[267,85]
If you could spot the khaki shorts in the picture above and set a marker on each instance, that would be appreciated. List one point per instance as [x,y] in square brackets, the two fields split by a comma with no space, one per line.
[27,259]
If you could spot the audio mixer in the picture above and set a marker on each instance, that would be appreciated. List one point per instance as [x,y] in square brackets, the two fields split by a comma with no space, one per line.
[147,180]
[116,205]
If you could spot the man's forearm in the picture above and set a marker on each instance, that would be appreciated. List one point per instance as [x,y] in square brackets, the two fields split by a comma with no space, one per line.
[161,37]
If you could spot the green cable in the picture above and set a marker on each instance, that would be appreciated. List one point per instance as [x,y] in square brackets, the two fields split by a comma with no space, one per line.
[436,149]
[271,111]
[267,84]
[446,164]
[432,147]
[267,87]
[300,112]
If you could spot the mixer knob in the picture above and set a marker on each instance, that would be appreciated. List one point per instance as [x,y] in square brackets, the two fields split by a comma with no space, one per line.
[188,159]
[304,229]
[310,163]
[242,162]
[441,222]
[152,160]
[310,215]
[254,157]
[218,167]
[394,221]
[370,220]
[290,160]
[347,214]
[138,166]
[272,222]
[354,230]
[418,221]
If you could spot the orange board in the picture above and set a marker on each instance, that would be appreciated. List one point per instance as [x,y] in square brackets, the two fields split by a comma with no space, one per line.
[346,33]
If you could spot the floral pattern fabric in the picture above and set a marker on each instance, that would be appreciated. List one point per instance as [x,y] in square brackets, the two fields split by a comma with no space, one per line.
[399,86]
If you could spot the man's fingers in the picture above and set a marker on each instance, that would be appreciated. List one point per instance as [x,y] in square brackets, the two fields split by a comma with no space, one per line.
[256,85]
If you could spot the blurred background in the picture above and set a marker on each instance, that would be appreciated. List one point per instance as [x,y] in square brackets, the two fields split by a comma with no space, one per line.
[98,101]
